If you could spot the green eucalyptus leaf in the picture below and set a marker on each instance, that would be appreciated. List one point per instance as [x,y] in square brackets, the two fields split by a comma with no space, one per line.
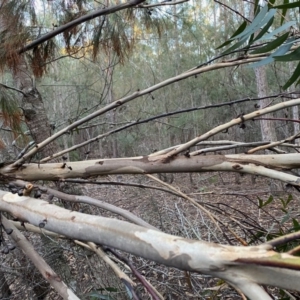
[95,295]
[260,203]
[295,55]
[270,199]
[288,5]
[280,51]
[239,30]
[283,14]
[256,7]
[260,20]
[271,3]
[251,39]
[272,45]
[296,224]
[289,199]
[293,78]
[276,31]
[264,30]
[236,46]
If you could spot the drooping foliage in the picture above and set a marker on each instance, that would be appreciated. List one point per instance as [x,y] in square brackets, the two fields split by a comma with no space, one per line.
[25,21]
[265,36]
[10,114]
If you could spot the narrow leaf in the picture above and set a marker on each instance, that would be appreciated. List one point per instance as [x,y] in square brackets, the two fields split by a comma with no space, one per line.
[290,198]
[278,30]
[270,199]
[251,39]
[265,29]
[293,78]
[260,20]
[271,2]
[272,45]
[296,224]
[283,14]
[256,7]
[280,51]
[235,46]
[288,5]
[260,203]
[295,55]
[239,30]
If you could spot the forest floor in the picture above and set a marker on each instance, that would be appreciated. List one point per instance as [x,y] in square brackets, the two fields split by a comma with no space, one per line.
[247,211]
[236,201]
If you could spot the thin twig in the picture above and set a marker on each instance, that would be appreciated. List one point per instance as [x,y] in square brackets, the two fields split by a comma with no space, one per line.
[183,195]
[47,272]
[12,88]
[233,10]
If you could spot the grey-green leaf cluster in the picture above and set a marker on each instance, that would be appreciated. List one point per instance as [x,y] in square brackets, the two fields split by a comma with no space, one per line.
[261,37]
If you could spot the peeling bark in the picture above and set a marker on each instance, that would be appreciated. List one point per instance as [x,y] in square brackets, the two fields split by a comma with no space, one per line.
[39,263]
[271,166]
[242,267]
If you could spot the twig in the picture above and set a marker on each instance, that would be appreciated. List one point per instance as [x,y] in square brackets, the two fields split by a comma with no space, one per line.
[12,88]
[94,14]
[131,97]
[233,10]
[152,290]
[163,3]
[142,186]
[273,144]
[283,239]
[229,124]
[183,195]
[45,270]
[138,122]
[88,200]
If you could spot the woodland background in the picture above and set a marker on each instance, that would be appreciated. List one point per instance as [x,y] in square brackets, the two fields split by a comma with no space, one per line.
[47,87]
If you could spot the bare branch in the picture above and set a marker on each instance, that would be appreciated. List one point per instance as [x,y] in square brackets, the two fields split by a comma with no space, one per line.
[85,18]
[55,281]
[272,166]
[152,291]
[273,144]
[138,122]
[233,10]
[96,202]
[284,239]
[163,3]
[242,267]
[12,88]
[131,97]
[232,123]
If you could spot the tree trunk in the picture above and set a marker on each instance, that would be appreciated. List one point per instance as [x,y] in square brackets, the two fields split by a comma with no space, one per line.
[267,127]
[34,110]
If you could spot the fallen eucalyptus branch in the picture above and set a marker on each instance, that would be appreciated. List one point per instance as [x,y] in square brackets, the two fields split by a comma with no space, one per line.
[46,271]
[245,268]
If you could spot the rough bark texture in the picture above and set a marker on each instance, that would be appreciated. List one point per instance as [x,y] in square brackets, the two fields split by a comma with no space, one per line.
[34,110]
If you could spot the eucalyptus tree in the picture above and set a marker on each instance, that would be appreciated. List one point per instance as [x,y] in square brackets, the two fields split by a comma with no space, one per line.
[30,41]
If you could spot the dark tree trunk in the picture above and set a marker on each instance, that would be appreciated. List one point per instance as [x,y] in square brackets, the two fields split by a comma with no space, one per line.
[34,110]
